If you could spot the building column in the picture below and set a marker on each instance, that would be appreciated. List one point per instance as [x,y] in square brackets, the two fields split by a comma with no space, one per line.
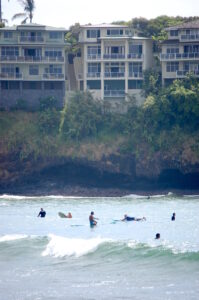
[102,69]
[85,68]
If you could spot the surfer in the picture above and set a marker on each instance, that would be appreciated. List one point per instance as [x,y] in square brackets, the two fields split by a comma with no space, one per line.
[92,220]
[157,236]
[173,217]
[69,215]
[127,218]
[42,213]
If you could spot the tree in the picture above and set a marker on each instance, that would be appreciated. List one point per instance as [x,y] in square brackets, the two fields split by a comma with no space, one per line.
[29,7]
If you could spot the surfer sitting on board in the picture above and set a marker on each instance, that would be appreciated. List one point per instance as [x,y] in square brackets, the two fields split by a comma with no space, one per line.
[127,218]
[69,215]
[92,220]
[42,213]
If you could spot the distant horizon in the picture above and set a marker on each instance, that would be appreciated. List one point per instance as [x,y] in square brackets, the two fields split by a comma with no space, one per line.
[90,12]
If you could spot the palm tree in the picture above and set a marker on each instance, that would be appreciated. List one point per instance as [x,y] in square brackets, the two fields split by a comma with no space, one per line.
[28,7]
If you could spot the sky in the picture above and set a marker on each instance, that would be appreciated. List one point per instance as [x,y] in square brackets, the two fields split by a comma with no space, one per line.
[63,13]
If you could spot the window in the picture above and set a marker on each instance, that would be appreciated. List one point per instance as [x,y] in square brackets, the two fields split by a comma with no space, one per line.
[33,70]
[135,67]
[137,49]
[9,51]
[94,50]
[172,50]
[8,69]
[94,84]
[8,35]
[53,69]
[93,33]
[173,32]
[14,85]
[53,85]
[172,66]
[53,52]
[55,35]
[94,67]
[191,49]
[135,84]
[114,32]
[31,85]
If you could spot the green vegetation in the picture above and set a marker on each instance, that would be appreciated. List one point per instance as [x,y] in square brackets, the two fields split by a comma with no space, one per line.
[28,7]
[167,123]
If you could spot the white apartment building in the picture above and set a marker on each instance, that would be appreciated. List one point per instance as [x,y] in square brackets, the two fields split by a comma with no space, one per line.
[32,64]
[180,52]
[112,61]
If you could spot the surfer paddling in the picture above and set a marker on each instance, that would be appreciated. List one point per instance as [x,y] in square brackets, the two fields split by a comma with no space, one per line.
[92,220]
[127,218]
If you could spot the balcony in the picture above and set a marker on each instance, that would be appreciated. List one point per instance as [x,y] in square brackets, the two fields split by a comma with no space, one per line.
[114,93]
[179,56]
[114,74]
[135,74]
[114,56]
[11,76]
[29,59]
[31,39]
[184,73]
[93,75]
[93,56]
[189,37]
[51,76]
[135,56]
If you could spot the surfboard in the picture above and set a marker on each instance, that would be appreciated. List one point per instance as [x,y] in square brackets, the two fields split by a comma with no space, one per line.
[62,215]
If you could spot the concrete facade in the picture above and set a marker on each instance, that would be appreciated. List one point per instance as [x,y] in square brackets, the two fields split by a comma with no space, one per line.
[32,64]
[180,52]
[112,61]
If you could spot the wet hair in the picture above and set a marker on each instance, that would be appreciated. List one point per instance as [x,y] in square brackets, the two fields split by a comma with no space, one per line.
[157,236]
[92,213]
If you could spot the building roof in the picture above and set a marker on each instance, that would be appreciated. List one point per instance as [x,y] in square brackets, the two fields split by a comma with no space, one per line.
[188,25]
[124,37]
[104,25]
[32,26]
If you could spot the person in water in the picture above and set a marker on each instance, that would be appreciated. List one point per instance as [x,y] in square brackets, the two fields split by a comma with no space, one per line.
[69,215]
[173,217]
[42,213]
[157,236]
[92,220]
[127,218]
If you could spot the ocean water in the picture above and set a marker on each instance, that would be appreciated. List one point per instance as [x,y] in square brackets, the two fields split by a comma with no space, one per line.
[54,258]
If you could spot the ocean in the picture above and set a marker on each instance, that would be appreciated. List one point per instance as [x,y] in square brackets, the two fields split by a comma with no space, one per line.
[53,258]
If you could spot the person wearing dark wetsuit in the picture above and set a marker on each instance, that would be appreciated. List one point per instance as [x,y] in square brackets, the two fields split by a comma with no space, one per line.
[173,217]
[127,218]
[42,213]
[92,220]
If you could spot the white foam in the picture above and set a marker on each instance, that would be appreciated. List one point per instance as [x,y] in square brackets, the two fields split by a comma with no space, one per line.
[12,237]
[59,246]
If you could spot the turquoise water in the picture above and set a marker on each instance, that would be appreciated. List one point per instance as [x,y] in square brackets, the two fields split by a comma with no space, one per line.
[54,258]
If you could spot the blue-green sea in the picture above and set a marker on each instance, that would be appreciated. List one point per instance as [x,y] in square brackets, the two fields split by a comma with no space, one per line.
[53,258]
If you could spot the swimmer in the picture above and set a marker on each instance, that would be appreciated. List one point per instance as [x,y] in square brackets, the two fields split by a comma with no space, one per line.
[92,220]
[127,218]
[157,236]
[173,217]
[69,215]
[42,213]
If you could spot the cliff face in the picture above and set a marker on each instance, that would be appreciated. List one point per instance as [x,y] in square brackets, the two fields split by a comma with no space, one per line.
[113,170]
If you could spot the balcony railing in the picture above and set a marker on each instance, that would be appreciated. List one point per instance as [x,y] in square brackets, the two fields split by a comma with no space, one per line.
[135,56]
[183,73]
[31,39]
[93,74]
[93,56]
[114,93]
[31,59]
[114,74]
[179,56]
[114,56]
[135,74]
[189,37]
[53,76]
[11,76]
